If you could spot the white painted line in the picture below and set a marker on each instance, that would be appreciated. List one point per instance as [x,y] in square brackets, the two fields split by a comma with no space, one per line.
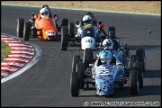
[11,41]
[13,63]
[18,45]
[17,48]
[85,9]
[20,56]
[21,51]
[16,59]
[4,74]
[9,69]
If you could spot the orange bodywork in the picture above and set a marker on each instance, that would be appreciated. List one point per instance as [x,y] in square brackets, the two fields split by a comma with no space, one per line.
[45,27]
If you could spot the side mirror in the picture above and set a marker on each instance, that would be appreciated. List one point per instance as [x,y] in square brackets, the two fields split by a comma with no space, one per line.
[91,65]
[100,26]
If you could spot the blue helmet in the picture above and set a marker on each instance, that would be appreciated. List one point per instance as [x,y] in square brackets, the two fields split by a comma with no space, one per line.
[106,56]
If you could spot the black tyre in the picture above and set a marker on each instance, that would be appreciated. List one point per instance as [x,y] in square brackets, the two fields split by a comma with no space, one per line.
[88,56]
[26,31]
[131,61]
[64,22]
[140,53]
[134,82]
[74,84]
[80,69]
[64,37]
[111,31]
[20,26]
[71,28]
[138,66]
[76,59]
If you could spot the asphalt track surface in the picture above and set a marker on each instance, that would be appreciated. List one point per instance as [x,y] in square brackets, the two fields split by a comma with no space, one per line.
[47,83]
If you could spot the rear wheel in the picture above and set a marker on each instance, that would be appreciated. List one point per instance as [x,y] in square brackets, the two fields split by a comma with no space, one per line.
[64,37]
[134,82]
[74,84]
[111,31]
[138,66]
[64,22]
[20,26]
[140,53]
[131,61]
[88,56]
[71,28]
[26,32]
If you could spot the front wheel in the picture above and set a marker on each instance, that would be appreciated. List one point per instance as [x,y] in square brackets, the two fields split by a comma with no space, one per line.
[80,70]
[134,82]
[26,32]
[76,59]
[20,26]
[74,84]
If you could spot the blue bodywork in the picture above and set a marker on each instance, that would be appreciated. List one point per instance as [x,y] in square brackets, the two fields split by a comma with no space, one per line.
[105,74]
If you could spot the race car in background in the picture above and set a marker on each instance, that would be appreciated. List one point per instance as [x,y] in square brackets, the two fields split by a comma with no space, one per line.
[88,40]
[44,28]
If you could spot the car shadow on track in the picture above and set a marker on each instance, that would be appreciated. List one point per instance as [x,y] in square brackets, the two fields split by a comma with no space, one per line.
[146,47]
[152,74]
[125,92]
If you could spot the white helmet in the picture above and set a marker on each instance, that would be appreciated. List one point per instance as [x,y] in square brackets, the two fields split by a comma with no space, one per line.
[87,19]
[44,12]
[108,44]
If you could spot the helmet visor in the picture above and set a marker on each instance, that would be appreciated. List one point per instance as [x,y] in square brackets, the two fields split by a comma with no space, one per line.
[44,13]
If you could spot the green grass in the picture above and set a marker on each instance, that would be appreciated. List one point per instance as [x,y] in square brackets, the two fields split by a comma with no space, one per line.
[5,50]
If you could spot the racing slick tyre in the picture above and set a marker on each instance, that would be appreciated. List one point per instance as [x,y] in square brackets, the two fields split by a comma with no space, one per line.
[20,26]
[80,69]
[26,31]
[74,84]
[134,82]
[131,61]
[64,22]
[140,53]
[88,56]
[111,31]
[64,37]
[71,28]
[138,66]
[76,59]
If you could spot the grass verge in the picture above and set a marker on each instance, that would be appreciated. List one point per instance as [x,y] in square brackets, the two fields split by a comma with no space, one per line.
[5,50]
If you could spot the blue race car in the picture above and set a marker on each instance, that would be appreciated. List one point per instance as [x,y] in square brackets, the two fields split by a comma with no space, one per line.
[105,77]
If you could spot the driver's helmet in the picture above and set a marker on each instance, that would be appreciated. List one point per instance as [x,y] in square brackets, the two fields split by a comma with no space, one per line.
[107,44]
[44,12]
[106,56]
[87,19]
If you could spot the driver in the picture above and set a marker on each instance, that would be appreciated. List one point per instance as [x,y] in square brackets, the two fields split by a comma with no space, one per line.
[108,56]
[44,13]
[87,23]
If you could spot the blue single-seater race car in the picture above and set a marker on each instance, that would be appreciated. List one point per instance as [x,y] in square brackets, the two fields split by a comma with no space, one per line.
[106,78]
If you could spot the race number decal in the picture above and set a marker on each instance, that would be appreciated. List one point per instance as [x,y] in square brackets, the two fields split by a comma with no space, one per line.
[88,26]
[104,72]
[89,41]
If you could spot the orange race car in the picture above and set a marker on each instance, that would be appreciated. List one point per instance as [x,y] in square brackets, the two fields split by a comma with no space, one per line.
[43,25]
